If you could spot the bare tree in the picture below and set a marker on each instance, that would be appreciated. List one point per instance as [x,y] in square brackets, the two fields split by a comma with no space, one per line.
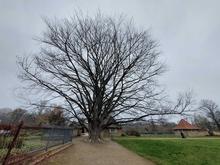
[103,68]
[212,110]
[204,123]
[17,115]
[57,117]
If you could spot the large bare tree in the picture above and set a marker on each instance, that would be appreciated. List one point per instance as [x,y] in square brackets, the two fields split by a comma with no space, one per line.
[105,69]
[212,111]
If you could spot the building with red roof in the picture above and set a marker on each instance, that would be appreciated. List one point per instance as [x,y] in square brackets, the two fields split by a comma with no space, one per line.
[184,125]
[188,129]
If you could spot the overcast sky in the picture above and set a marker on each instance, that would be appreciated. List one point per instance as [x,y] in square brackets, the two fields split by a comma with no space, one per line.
[188,32]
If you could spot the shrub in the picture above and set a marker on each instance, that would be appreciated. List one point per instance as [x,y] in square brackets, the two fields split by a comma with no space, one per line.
[123,134]
[133,133]
[19,143]
[211,133]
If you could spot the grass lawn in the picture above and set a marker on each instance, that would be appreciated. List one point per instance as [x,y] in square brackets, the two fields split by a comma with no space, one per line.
[29,143]
[174,151]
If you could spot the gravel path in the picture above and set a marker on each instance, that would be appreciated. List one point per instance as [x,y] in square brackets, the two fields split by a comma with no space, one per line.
[84,153]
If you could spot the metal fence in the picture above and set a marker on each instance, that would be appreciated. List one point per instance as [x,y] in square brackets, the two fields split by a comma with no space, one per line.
[16,142]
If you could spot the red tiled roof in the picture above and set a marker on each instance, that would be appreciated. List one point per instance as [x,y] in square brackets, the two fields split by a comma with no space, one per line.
[184,125]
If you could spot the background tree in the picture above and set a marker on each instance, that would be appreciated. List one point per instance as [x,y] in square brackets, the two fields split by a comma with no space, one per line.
[205,124]
[56,116]
[41,112]
[102,68]
[9,116]
[46,114]
[202,122]
[212,111]
[17,115]
[152,126]
[4,115]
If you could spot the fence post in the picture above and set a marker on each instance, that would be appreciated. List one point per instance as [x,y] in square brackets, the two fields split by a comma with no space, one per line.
[47,143]
[11,145]
[64,136]
[50,137]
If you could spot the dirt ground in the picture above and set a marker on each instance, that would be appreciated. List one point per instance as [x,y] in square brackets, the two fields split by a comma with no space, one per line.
[84,153]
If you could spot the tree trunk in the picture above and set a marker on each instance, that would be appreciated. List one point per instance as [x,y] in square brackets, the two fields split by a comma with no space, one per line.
[218,124]
[95,133]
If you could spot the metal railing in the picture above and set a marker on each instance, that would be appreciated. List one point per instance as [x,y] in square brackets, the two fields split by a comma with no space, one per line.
[17,142]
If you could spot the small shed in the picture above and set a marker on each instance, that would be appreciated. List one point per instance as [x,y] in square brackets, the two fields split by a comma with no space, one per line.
[188,129]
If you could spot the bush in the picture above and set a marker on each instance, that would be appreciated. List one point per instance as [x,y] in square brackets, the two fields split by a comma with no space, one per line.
[133,133]
[19,143]
[211,133]
[123,134]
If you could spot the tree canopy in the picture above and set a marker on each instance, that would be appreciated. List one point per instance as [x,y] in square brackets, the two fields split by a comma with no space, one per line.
[102,68]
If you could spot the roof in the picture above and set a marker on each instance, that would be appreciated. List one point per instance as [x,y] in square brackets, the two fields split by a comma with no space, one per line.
[185,125]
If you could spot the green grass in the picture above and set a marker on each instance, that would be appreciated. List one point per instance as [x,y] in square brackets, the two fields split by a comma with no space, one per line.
[174,151]
[29,143]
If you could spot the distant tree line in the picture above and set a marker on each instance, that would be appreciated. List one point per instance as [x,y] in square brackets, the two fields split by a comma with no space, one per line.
[42,116]
[151,126]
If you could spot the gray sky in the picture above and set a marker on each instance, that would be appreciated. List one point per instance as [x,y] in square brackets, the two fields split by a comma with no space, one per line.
[188,32]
